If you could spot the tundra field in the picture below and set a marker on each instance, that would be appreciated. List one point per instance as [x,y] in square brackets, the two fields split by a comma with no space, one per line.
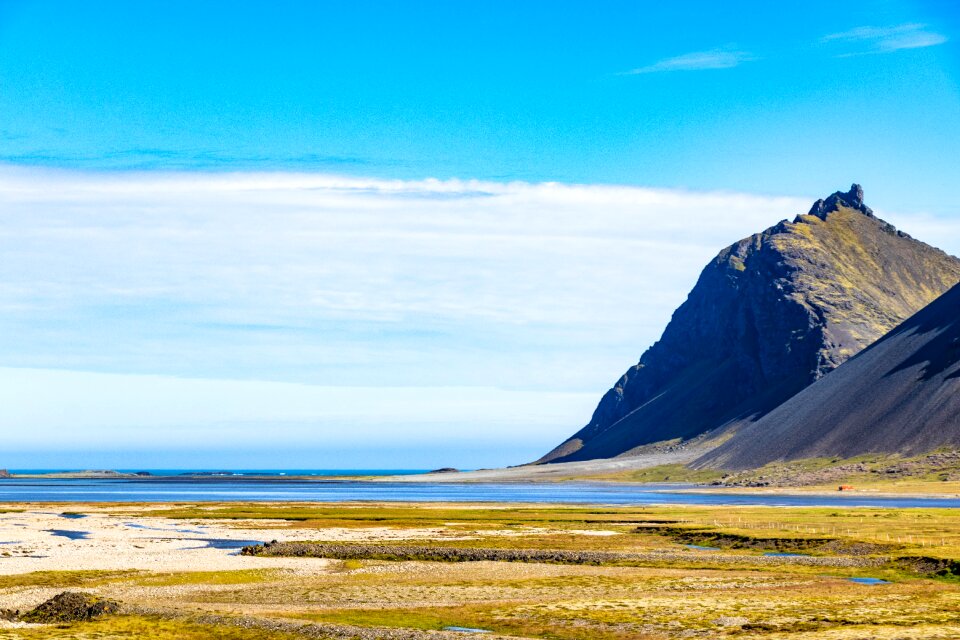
[411,571]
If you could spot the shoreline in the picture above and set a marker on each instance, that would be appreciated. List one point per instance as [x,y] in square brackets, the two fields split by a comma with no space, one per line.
[650,494]
[655,470]
[651,487]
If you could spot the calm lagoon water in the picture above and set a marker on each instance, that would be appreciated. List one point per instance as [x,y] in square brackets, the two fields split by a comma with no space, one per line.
[241,489]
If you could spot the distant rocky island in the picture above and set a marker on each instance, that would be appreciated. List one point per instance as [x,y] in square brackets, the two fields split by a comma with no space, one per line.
[88,473]
[777,312]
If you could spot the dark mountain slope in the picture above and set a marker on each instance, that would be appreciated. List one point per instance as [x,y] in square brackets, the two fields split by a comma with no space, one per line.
[768,316]
[900,395]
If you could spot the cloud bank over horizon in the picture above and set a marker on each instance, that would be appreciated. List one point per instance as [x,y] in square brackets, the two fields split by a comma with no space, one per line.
[342,314]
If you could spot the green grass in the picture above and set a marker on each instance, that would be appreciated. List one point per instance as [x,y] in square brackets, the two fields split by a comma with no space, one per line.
[397,516]
[623,603]
[128,627]
[661,598]
[661,473]
[64,578]
[913,531]
[492,618]
[243,576]
[926,474]
[69,579]
[351,565]
[426,618]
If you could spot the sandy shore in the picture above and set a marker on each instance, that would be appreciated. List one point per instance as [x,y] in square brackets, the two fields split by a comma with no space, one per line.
[34,540]
[524,473]
[557,471]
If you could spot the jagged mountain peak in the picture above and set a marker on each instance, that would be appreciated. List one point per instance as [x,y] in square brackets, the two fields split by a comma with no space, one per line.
[852,199]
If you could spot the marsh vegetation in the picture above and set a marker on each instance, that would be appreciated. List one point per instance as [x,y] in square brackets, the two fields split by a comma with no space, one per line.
[646,584]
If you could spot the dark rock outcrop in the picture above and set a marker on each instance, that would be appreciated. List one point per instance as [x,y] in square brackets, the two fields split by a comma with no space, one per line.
[768,316]
[852,199]
[900,395]
[399,552]
[71,606]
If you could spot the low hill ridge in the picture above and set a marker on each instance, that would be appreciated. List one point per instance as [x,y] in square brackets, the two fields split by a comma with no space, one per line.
[768,316]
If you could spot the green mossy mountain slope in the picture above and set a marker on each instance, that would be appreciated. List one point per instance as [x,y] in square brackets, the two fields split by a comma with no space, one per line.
[770,315]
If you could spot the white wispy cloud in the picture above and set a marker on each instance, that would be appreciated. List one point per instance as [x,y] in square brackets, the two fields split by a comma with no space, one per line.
[325,279]
[349,304]
[722,58]
[886,39]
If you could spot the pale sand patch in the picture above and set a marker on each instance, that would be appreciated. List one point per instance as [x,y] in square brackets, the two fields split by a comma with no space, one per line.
[116,542]
[564,470]
[592,532]
[121,542]
[7,624]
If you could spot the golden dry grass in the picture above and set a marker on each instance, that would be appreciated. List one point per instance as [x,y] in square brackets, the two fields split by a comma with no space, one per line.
[668,599]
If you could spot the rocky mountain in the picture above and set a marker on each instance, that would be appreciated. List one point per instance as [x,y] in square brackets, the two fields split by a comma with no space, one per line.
[769,315]
[900,395]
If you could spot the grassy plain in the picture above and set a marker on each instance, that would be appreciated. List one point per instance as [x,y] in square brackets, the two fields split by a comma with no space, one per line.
[676,592]
[935,473]
[930,531]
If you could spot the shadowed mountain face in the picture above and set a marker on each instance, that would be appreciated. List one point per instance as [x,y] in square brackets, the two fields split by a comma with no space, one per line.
[769,315]
[900,395]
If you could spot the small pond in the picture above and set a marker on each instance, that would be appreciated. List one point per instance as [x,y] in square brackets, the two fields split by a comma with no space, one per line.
[868,580]
[70,535]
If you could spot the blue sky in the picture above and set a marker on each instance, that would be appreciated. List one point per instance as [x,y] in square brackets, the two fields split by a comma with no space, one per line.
[781,101]
[343,198]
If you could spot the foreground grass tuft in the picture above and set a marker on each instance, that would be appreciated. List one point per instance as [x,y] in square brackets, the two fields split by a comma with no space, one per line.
[127,627]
